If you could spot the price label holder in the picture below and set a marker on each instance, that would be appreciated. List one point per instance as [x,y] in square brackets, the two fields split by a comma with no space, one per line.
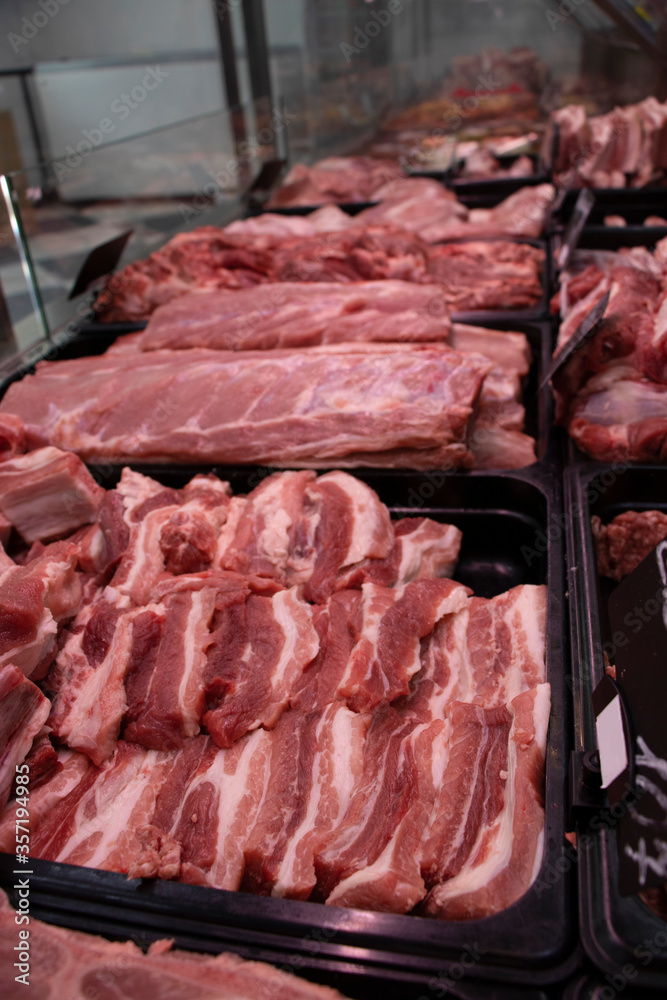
[573,230]
[631,724]
[99,263]
[586,329]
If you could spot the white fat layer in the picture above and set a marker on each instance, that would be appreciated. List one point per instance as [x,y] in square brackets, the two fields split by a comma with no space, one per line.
[226,537]
[337,727]
[541,713]
[471,878]
[145,547]
[194,639]
[296,621]
[115,798]
[269,508]
[531,608]
[135,489]
[415,548]
[28,655]
[101,702]
[365,519]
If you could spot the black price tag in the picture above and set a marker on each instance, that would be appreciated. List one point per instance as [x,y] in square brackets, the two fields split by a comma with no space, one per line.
[582,210]
[586,329]
[99,263]
[638,618]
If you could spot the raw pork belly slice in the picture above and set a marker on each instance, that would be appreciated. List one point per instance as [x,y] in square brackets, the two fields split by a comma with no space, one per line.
[299,529]
[402,406]
[23,712]
[164,680]
[491,275]
[34,600]
[258,652]
[89,676]
[75,965]
[72,767]
[315,761]
[48,493]
[393,881]
[171,532]
[488,653]
[300,315]
[508,848]
[623,543]
[422,548]
[208,804]
[104,822]
[470,795]
[389,625]
[380,798]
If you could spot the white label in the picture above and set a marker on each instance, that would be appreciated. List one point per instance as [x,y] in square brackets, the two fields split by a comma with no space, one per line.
[611,742]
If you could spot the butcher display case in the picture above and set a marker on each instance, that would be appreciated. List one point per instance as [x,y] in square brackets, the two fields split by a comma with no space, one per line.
[442,88]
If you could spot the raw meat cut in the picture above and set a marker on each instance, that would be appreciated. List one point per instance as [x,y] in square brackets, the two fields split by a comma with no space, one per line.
[34,600]
[621,419]
[491,275]
[23,712]
[164,680]
[507,852]
[317,751]
[48,494]
[208,804]
[611,394]
[104,820]
[299,529]
[356,253]
[315,760]
[258,652]
[402,406]
[203,258]
[12,437]
[81,966]
[522,214]
[88,676]
[422,548]
[334,179]
[389,625]
[625,147]
[299,315]
[623,543]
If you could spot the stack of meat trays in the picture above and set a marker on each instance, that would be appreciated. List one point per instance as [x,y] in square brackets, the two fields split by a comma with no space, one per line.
[619,517]
[510,539]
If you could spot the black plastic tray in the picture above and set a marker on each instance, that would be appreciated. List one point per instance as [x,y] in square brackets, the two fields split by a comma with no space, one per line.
[532,943]
[95,339]
[634,204]
[611,238]
[612,926]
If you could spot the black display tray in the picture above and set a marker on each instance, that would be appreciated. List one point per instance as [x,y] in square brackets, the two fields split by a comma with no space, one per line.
[612,926]
[95,339]
[634,204]
[506,541]
[610,238]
